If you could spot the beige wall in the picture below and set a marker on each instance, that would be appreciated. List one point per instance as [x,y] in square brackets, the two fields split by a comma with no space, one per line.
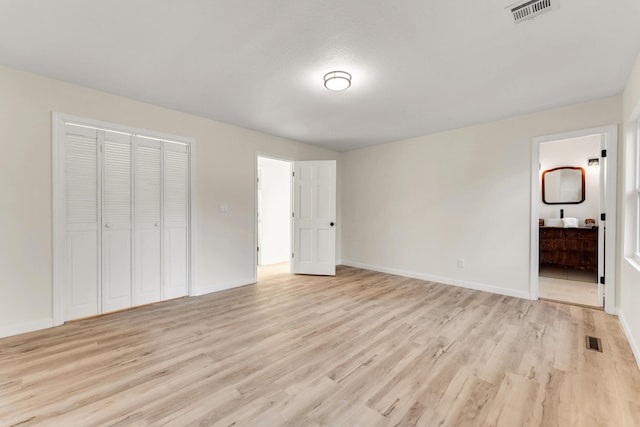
[629,273]
[225,170]
[414,207]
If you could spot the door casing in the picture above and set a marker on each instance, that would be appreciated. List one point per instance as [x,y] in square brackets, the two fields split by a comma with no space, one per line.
[611,135]
[59,206]
[255,216]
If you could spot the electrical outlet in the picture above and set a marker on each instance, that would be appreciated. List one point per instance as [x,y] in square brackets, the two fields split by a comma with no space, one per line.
[460,262]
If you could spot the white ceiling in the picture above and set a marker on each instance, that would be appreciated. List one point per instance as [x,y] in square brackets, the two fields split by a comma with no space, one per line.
[418,66]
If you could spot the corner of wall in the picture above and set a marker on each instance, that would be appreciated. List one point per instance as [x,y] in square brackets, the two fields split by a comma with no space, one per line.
[23,328]
[442,280]
[635,347]
[207,289]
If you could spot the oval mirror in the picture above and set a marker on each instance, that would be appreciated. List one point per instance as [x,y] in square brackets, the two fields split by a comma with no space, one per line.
[563,186]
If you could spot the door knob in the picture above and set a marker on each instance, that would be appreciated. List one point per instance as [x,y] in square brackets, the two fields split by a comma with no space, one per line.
[107,226]
[331,224]
[156,224]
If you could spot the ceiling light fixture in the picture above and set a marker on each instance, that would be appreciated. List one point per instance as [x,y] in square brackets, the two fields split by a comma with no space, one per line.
[337,80]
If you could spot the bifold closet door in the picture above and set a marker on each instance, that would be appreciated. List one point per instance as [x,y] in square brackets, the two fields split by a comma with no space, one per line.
[126,200]
[116,222]
[148,221]
[176,224]
[82,204]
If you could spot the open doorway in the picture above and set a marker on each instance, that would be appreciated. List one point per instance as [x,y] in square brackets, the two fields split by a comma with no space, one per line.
[273,198]
[569,220]
[573,217]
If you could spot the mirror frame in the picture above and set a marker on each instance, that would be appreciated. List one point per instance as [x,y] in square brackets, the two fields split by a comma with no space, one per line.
[564,203]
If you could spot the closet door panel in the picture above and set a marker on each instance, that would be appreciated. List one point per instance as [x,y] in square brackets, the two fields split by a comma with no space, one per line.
[148,267]
[117,269]
[175,263]
[82,198]
[116,222]
[176,214]
[82,273]
[148,213]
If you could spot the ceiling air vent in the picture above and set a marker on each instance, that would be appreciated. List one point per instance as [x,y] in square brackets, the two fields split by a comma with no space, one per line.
[529,9]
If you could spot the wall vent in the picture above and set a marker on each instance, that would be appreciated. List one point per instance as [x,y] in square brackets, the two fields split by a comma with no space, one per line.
[529,9]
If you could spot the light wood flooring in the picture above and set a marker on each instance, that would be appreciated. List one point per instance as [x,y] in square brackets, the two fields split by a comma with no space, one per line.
[272,271]
[572,286]
[359,349]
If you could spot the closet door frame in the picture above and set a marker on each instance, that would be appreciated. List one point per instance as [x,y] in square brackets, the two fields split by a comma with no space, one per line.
[59,229]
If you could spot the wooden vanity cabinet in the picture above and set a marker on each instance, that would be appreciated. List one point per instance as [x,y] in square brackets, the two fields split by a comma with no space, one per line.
[575,248]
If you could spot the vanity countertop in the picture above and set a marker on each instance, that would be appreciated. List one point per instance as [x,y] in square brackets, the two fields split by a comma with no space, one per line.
[570,228]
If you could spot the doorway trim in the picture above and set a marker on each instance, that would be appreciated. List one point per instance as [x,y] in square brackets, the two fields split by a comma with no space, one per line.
[255,207]
[611,135]
[58,201]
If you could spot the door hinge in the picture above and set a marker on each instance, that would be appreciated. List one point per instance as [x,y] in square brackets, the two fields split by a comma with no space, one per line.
[101,148]
[291,254]
[293,174]
[293,215]
[258,248]
[603,217]
[604,153]
[602,280]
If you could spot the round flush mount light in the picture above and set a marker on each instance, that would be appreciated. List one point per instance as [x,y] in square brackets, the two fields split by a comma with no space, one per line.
[337,80]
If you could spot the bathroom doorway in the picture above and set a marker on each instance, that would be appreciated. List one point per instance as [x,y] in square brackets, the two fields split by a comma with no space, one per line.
[573,213]
[273,216]
[568,256]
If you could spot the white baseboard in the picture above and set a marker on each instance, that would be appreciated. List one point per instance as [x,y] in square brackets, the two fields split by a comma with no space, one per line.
[443,280]
[203,290]
[22,328]
[627,331]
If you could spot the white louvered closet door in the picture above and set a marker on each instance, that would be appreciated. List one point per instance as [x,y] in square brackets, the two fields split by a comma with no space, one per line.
[176,214]
[116,222]
[82,200]
[125,225]
[148,221]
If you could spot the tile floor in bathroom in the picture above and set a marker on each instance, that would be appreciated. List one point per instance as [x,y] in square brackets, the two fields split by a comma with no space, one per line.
[572,286]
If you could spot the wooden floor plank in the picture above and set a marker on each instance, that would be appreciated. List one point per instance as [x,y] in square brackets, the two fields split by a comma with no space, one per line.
[362,348]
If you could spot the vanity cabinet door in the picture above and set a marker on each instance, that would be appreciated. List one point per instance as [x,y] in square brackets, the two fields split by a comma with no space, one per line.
[552,246]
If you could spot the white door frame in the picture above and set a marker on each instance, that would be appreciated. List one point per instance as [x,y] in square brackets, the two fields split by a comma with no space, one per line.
[255,210]
[59,246]
[611,134]
[258,217]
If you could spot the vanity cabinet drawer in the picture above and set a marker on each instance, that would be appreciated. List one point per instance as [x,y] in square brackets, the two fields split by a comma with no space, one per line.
[551,232]
[581,245]
[555,244]
[588,234]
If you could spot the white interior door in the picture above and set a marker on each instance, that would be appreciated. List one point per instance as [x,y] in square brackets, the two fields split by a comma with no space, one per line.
[314,217]
[116,221]
[176,220]
[603,224]
[82,200]
[147,286]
